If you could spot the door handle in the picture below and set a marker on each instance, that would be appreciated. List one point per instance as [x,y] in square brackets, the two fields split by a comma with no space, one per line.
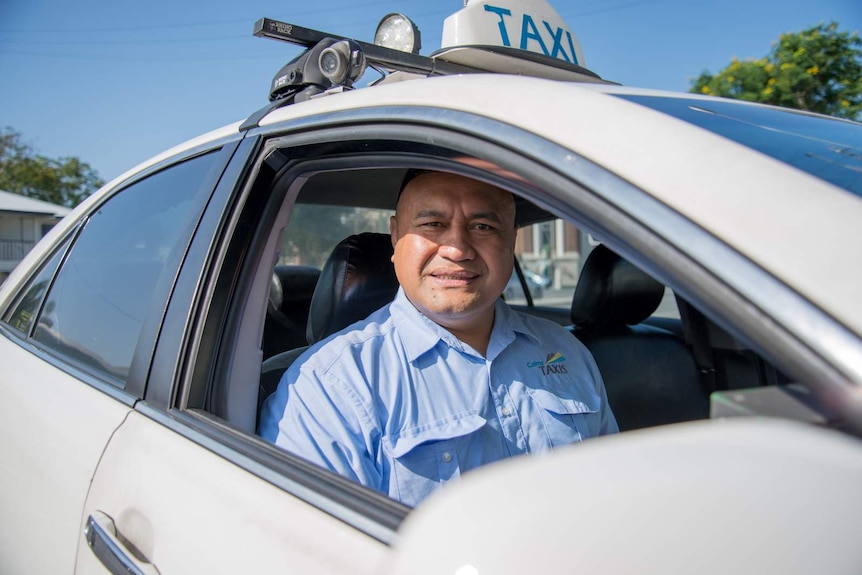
[111,548]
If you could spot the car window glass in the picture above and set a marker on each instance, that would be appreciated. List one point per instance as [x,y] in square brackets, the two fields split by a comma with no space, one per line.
[102,294]
[315,229]
[551,255]
[24,313]
[827,148]
[307,241]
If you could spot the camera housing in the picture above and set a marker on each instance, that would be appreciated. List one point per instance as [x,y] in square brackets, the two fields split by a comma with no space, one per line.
[329,63]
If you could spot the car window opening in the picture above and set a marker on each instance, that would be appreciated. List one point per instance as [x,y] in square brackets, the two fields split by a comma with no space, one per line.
[657,365]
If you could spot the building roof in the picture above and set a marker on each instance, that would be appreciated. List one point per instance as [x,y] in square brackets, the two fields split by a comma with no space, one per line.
[10,202]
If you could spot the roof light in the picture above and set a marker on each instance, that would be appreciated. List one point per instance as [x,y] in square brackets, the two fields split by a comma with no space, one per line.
[398,32]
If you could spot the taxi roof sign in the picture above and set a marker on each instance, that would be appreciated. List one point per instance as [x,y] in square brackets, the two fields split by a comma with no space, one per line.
[530,25]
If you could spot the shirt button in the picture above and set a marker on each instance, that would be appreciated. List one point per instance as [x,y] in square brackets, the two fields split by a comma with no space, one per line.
[506,411]
[447,457]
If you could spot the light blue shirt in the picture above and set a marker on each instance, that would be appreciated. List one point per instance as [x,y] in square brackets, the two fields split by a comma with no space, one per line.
[397,403]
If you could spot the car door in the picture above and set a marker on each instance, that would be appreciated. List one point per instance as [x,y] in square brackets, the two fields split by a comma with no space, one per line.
[53,428]
[79,338]
[173,494]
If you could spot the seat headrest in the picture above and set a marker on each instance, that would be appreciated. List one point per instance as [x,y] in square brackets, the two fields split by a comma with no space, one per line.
[612,293]
[356,280]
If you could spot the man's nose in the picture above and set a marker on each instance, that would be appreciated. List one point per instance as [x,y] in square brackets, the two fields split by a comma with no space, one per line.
[456,245]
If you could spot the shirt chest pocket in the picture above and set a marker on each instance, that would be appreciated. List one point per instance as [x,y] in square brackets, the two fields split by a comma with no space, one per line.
[424,458]
[567,420]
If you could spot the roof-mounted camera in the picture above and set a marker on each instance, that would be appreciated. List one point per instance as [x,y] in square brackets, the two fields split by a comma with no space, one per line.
[342,63]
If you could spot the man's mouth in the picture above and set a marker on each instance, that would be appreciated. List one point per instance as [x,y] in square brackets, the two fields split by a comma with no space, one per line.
[456,277]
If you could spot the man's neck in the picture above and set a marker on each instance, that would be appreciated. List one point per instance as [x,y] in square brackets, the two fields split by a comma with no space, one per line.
[476,334]
[473,329]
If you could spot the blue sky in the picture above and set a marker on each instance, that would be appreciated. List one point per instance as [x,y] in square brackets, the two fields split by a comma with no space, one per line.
[114,83]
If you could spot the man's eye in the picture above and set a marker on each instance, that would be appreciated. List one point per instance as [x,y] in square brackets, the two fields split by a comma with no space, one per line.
[483,227]
[431,224]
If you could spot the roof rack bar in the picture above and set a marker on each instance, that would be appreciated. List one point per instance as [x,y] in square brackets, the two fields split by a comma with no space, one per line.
[385,57]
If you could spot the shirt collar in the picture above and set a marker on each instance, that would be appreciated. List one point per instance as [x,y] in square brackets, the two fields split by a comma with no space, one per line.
[508,324]
[419,334]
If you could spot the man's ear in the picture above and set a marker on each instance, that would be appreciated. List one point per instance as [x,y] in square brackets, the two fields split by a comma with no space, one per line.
[393,230]
[393,235]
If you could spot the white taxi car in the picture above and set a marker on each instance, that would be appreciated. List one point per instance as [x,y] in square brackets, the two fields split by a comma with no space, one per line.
[706,251]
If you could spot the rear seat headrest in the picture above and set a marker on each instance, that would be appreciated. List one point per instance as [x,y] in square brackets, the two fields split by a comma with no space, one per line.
[612,293]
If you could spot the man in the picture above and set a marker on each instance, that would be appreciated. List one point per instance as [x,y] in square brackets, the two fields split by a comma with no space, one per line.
[447,377]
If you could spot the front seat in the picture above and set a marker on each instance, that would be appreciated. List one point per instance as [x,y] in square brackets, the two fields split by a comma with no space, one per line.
[357,279]
[649,372]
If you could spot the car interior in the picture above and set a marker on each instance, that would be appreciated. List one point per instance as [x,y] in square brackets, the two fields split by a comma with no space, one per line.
[657,370]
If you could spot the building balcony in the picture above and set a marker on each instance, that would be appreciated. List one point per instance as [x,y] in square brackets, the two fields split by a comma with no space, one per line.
[14,250]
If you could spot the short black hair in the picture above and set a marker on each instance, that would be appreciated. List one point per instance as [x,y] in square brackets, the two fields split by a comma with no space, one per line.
[409,176]
[413,173]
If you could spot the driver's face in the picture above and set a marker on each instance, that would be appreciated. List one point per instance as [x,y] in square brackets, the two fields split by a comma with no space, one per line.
[454,240]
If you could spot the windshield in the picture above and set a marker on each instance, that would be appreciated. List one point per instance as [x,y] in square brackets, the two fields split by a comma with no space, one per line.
[827,148]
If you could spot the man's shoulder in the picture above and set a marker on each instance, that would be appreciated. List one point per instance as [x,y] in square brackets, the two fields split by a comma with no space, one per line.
[537,325]
[373,330]
[544,331]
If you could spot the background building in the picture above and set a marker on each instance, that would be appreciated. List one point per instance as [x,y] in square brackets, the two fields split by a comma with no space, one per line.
[555,250]
[23,222]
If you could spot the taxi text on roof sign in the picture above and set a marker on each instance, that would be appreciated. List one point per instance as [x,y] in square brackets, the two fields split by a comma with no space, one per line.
[531,25]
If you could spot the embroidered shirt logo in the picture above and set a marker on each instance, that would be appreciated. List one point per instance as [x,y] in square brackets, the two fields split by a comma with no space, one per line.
[554,363]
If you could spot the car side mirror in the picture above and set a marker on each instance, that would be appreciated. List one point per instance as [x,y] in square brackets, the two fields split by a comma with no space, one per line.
[711,497]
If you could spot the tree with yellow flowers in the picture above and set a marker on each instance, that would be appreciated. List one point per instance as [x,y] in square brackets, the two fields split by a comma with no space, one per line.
[818,69]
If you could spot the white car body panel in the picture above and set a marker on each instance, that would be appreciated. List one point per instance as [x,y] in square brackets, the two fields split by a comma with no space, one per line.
[187,510]
[53,429]
[780,497]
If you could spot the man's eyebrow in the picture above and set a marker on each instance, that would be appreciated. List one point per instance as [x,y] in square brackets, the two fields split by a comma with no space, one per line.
[493,216]
[431,213]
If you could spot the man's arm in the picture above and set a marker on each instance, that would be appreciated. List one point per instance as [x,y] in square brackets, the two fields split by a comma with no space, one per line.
[607,422]
[322,419]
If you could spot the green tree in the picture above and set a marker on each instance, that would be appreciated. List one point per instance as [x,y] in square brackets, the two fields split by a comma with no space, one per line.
[64,181]
[818,69]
